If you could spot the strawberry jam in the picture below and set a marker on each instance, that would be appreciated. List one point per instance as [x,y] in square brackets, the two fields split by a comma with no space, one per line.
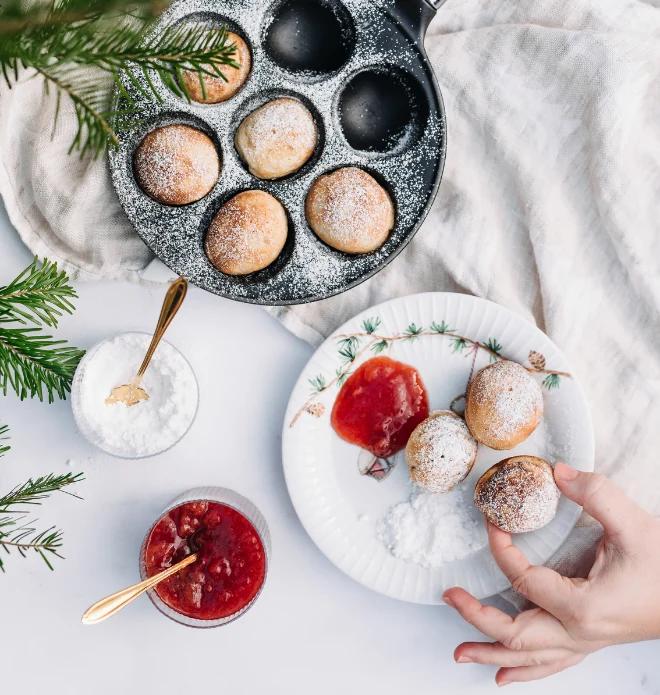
[231,564]
[380,405]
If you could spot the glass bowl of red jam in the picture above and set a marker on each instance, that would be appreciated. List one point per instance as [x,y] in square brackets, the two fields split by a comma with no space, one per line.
[232,542]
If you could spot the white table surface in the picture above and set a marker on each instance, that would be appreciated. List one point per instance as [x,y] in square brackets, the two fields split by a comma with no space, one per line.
[312,631]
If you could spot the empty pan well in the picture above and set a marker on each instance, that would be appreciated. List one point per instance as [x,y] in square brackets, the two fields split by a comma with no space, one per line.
[382,110]
[310,36]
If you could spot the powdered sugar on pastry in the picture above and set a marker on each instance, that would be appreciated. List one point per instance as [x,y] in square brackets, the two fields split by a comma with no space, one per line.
[440,452]
[518,494]
[277,139]
[176,164]
[504,405]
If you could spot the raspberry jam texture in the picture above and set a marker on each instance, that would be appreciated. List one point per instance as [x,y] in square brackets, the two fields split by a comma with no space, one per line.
[231,564]
[380,405]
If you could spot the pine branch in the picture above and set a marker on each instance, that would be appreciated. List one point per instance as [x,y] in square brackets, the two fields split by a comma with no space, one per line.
[17,16]
[24,538]
[182,46]
[33,364]
[35,490]
[371,325]
[4,448]
[93,115]
[318,383]
[41,294]
[36,365]
[21,536]
[75,47]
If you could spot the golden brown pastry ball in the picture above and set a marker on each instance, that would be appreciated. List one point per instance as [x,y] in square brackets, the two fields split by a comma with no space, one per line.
[518,494]
[218,89]
[247,234]
[350,210]
[176,164]
[440,452]
[504,405]
[277,139]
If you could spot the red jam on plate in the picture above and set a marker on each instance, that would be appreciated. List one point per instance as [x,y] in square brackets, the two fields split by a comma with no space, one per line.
[231,564]
[380,405]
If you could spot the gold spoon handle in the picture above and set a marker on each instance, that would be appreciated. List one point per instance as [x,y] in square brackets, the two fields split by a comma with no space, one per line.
[112,604]
[171,304]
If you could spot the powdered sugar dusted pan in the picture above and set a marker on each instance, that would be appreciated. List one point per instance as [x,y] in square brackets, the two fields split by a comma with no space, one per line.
[361,69]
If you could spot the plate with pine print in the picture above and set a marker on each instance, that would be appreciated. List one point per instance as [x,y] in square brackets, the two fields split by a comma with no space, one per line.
[343,495]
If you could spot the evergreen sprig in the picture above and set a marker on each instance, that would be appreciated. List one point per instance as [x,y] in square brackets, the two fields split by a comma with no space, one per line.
[440,328]
[318,383]
[35,490]
[380,346]
[348,348]
[370,325]
[17,532]
[4,448]
[33,364]
[40,294]
[342,376]
[74,46]
[413,331]
[552,381]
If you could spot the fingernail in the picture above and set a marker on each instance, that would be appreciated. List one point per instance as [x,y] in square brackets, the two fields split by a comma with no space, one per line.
[501,684]
[463,660]
[564,472]
[448,601]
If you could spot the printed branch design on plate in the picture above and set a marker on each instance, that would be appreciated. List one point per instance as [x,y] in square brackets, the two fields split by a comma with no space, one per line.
[351,347]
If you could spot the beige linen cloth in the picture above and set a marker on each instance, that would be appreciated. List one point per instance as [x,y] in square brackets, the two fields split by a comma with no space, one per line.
[550,203]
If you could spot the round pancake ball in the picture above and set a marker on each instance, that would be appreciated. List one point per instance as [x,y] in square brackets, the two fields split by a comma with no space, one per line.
[176,164]
[247,234]
[350,211]
[277,139]
[217,89]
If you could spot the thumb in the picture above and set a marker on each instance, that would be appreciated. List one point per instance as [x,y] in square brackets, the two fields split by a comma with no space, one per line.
[601,498]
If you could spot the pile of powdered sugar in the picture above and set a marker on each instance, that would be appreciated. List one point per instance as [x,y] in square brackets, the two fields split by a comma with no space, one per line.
[144,429]
[432,529]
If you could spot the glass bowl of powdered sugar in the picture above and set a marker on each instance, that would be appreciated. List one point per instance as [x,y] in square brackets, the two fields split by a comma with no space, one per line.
[150,427]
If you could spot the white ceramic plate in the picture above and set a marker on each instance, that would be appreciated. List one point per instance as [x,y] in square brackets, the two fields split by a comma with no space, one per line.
[340,508]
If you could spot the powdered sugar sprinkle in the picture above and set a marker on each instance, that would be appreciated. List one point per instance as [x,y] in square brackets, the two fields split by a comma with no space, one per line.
[433,529]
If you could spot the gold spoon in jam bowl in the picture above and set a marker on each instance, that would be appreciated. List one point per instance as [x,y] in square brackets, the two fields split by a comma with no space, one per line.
[112,604]
[133,393]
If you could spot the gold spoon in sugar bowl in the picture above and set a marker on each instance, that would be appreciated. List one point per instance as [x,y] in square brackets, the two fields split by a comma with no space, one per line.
[132,393]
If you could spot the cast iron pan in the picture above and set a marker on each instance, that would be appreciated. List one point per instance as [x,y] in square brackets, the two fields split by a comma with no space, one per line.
[360,67]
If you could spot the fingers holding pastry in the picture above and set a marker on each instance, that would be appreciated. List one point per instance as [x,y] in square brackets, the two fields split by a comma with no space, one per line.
[602,499]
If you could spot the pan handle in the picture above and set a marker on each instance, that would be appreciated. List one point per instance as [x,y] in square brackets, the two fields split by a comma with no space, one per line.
[416,15]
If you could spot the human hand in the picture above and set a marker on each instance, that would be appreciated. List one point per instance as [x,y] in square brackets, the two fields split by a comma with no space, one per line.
[617,602]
